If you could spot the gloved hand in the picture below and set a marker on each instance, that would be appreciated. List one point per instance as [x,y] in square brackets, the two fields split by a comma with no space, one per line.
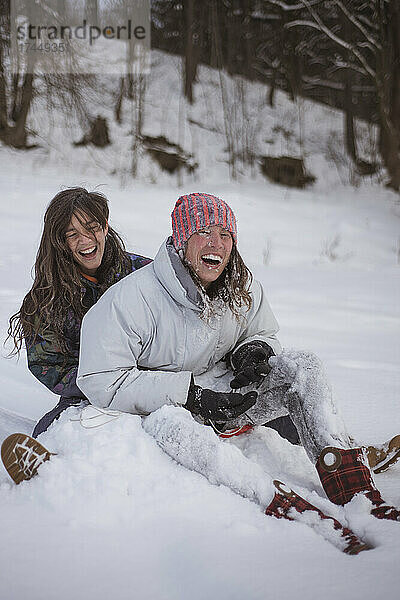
[218,406]
[250,363]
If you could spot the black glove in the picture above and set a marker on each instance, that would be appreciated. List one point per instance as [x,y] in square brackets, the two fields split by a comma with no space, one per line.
[250,363]
[218,406]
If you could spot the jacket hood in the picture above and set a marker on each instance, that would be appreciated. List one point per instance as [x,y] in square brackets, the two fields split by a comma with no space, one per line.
[175,277]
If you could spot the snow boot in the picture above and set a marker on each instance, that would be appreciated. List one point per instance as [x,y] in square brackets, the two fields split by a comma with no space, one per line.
[344,473]
[382,457]
[286,504]
[22,455]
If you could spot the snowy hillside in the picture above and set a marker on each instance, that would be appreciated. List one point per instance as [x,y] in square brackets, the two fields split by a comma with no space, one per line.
[112,516]
[227,112]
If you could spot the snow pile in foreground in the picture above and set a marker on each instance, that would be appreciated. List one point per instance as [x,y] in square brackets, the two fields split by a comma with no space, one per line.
[113,516]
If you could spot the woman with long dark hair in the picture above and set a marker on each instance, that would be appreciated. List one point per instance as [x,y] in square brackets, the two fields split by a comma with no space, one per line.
[80,256]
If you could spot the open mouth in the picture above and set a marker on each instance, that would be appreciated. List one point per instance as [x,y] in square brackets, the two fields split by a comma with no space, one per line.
[211,260]
[89,252]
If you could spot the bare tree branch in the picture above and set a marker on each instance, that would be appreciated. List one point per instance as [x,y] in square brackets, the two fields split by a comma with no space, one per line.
[291,7]
[371,40]
[320,25]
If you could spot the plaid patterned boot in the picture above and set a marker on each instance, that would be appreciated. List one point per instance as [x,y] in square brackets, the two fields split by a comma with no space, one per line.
[286,504]
[344,473]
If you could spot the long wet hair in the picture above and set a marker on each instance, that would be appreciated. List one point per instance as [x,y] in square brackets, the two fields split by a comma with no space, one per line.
[231,288]
[57,286]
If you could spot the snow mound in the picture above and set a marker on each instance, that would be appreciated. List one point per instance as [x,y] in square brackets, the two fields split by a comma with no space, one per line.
[112,513]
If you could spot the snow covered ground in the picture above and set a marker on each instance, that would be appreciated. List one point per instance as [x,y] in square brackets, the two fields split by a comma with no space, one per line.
[112,516]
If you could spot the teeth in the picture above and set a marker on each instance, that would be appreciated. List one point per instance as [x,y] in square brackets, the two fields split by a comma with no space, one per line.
[88,251]
[213,257]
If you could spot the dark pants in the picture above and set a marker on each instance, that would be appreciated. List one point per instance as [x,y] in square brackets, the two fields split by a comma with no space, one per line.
[286,428]
[44,423]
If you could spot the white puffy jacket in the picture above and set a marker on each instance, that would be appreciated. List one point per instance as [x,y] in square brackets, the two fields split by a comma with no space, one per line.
[141,342]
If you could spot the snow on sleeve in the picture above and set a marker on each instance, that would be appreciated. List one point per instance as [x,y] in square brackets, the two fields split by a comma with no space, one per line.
[306,373]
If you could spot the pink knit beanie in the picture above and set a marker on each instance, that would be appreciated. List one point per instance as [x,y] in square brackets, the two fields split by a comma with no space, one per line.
[195,211]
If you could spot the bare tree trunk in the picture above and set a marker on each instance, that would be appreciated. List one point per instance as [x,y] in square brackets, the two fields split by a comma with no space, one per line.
[118,105]
[272,85]
[231,39]
[389,148]
[22,93]
[349,119]
[4,25]
[19,131]
[228,117]
[389,91]
[214,46]
[246,34]
[289,58]
[15,97]
[191,58]
[3,95]
[348,94]
[137,116]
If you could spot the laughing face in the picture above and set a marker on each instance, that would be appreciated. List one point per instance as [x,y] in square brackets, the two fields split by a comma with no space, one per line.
[86,239]
[208,252]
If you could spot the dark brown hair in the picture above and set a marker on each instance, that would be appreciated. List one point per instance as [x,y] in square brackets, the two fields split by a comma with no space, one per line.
[57,286]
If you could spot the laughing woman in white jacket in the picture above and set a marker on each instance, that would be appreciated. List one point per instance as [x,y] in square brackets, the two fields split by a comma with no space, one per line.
[192,328]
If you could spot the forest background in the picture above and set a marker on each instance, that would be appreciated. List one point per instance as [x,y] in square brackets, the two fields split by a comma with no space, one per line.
[342,53]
